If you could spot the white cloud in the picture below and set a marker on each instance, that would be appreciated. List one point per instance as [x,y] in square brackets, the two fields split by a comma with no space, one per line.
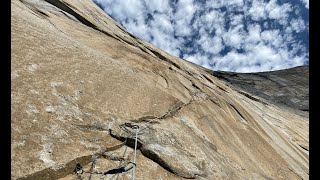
[297,25]
[183,16]
[215,45]
[138,28]
[253,34]
[272,37]
[211,21]
[261,10]
[257,10]
[202,60]
[156,5]
[261,57]
[234,2]
[277,11]
[306,2]
[162,22]
[211,44]
[211,16]
[236,20]
[232,35]
[182,29]
[185,10]
[214,4]
[132,9]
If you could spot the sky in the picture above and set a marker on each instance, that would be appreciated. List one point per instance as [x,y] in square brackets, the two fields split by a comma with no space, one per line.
[226,35]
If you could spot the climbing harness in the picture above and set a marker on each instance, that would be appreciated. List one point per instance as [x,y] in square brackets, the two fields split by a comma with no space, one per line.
[130,165]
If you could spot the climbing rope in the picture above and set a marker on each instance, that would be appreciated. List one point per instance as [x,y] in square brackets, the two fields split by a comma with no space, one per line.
[135,152]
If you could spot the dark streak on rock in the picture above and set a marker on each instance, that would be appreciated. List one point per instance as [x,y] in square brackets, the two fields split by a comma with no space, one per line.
[164,58]
[251,97]
[64,7]
[303,147]
[146,119]
[130,140]
[238,112]
[43,13]
[189,73]
[306,110]
[153,156]
[37,12]
[143,50]
[208,79]
[174,111]
[222,89]
[194,85]
[90,127]
[214,102]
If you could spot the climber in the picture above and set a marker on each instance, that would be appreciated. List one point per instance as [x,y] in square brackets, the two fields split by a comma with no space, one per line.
[78,169]
[126,168]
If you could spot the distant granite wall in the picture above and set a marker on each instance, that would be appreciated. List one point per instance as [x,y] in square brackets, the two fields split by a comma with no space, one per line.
[288,87]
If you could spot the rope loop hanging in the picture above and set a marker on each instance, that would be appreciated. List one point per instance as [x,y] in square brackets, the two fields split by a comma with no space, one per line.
[129,166]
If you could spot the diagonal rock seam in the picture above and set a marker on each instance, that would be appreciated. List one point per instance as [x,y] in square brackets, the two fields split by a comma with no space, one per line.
[242,116]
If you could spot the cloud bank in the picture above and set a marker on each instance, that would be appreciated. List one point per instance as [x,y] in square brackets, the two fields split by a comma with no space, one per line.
[232,35]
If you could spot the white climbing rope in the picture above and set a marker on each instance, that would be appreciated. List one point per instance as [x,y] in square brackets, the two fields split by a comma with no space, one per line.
[135,154]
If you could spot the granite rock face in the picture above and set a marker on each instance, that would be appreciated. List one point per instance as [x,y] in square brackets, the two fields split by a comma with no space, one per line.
[288,87]
[80,81]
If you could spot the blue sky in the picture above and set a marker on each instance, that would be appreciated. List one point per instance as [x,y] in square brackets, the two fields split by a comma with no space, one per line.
[227,35]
